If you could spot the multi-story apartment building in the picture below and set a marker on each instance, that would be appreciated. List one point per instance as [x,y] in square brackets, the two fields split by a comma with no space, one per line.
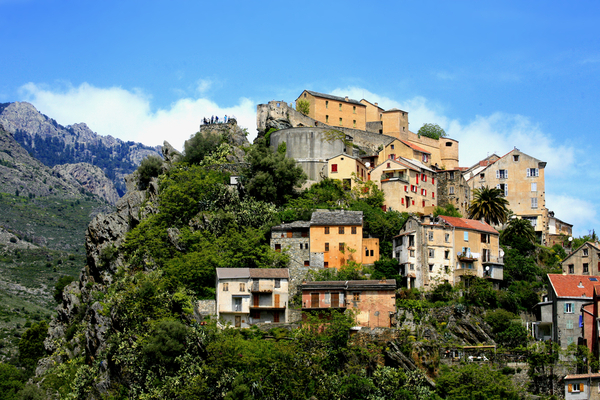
[247,296]
[373,301]
[335,111]
[558,232]
[521,179]
[559,316]
[408,185]
[447,250]
[336,237]
[583,261]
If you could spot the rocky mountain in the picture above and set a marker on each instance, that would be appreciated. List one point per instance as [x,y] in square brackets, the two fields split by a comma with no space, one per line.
[54,144]
[91,177]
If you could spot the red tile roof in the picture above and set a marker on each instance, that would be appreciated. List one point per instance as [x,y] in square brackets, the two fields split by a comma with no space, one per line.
[471,224]
[415,147]
[573,285]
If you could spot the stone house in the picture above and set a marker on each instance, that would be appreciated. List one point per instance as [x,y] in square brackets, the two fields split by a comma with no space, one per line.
[582,387]
[248,296]
[452,188]
[583,261]
[431,251]
[374,301]
[559,318]
[521,179]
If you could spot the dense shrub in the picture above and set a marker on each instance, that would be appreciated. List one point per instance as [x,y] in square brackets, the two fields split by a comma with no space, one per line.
[149,168]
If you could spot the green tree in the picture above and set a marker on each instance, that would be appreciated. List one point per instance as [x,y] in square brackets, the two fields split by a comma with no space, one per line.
[31,345]
[475,382]
[201,145]
[433,131]
[149,168]
[479,292]
[448,210]
[303,106]
[578,242]
[271,176]
[12,380]
[519,234]
[490,205]
[60,285]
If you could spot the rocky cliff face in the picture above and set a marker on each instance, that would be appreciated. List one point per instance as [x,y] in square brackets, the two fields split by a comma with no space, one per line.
[54,144]
[92,178]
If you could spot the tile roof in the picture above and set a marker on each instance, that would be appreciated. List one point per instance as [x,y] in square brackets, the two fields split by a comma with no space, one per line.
[336,98]
[573,285]
[282,273]
[235,273]
[583,376]
[415,147]
[471,224]
[387,284]
[336,217]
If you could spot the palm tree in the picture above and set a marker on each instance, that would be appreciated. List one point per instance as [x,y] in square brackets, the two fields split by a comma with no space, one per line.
[489,204]
[518,227]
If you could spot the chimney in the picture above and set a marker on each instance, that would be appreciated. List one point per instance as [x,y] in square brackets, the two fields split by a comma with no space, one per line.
[346,98]
[376,104]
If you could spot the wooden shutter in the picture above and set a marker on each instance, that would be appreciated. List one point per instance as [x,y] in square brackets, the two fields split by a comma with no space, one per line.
[276,303]
[570,388]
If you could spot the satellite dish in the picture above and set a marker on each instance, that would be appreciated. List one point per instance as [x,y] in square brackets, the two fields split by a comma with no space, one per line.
[367,164]
[570,238]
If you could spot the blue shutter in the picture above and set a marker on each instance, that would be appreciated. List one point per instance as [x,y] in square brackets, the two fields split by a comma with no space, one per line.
[581,321]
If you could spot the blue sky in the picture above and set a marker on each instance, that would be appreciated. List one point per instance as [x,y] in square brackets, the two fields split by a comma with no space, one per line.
[495,74]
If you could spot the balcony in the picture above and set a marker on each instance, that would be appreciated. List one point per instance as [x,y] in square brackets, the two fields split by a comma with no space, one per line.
[467,256]
[262,286]
[489,259]
[458,272]
[394,177]
[280,306]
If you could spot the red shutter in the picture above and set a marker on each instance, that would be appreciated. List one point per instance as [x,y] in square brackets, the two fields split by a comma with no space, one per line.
[417,179]
[333,167]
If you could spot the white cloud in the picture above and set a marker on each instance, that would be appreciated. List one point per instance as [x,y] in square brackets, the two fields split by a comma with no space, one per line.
[580,213]
[203,85]
[127,115]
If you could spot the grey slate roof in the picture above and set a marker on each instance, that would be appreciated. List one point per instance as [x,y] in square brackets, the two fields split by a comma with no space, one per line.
[291,225]
[337,217]
[336,98]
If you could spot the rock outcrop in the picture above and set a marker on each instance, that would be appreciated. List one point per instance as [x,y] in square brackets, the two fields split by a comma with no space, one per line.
[91,178]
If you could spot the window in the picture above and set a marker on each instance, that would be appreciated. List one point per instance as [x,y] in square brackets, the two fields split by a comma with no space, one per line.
[307,263]
[531,172]
[433,195]
[341,121]
[371,253]
[413,188]
[356,296]
[430,235]
[503,188]
[255,314]
[577,387]
[432,180]
[354,123]
[341,246]
[301,246]
[502,174]
[353,230]
[277,283]
[451,190]
[430,267]
[446,254]
[481,176]
[466,236]
[585,252]
[451,175]
[447,237]
[392,147]
[226,287]
[242,287]
[485,238]
[425,158]
[431,252]
[326,246]
[534,202]
[516,158]
[413,202]
[367,252]
[340,107]
[277,247]
[586,268]
[417,179]
[406,188]
[334,168]
[327,230]
[423,192]
[569,324]
[412,253]
[424,177]
[326,264]
[326,104]
[534,186]
[327,119]
[571,268]
[423,203]
[568,308]
[354,110]
[341,230]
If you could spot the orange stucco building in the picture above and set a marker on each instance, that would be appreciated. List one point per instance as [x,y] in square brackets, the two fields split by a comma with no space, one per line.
[334,110]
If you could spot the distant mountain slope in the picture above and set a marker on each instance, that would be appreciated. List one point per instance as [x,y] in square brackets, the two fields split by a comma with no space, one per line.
[54,144]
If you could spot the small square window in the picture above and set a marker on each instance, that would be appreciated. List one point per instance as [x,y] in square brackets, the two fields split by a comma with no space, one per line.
[242,287]
[226,287]
[277,283]
[307,263]
[430,267]
[515,158]
[342,247]
[568,308]
[341,230]
[356,296]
